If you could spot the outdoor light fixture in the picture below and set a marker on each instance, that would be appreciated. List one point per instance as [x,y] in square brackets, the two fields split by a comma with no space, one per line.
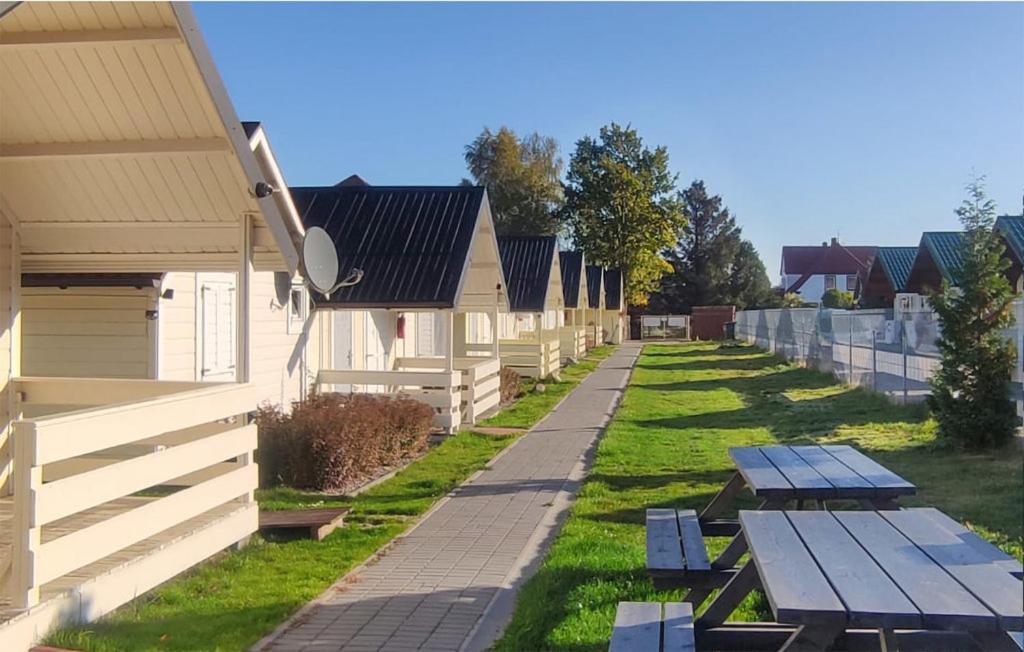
[262,190]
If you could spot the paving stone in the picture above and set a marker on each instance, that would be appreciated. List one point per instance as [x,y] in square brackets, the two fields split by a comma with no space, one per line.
[433,586]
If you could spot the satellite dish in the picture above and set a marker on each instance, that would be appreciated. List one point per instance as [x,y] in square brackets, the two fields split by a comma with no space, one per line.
[320,259]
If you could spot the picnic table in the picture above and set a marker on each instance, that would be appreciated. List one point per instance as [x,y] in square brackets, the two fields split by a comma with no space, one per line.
[808,475]
[889,579]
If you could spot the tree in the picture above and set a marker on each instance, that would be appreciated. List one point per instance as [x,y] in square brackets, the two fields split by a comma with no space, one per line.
[749,286]
[620,206]
[522,177]
[703,255]
[834,298]
[970,392]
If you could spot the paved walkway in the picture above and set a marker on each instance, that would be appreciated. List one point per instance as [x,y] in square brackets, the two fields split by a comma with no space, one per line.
[450,583]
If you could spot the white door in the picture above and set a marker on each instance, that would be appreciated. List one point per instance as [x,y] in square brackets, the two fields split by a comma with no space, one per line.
[425,335]
[342,345]
[375,330]
[217,330]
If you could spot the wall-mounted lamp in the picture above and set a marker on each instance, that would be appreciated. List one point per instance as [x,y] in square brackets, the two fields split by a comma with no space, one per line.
[167,294]
[152,315]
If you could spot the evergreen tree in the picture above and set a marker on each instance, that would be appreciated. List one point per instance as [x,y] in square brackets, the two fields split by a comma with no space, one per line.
[970,392]
[522,177]
[704,257]
[749,286]
[621,208]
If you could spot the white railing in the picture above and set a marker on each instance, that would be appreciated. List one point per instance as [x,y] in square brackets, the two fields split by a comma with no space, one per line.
[572,341]
[146,434]
[532,358]
[481,382]
[441,390]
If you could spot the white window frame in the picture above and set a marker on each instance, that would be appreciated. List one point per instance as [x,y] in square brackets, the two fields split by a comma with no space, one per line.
[830,285]
[851,286]
[297,314]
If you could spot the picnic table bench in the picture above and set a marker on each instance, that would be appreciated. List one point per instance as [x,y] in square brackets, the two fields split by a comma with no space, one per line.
[809,475]
[890,579]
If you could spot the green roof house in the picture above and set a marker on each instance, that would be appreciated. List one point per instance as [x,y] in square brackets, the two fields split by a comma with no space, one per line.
[887,276]
[1011,227]
[938,258]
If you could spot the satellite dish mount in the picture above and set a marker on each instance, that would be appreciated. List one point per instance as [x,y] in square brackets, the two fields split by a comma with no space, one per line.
[320,262]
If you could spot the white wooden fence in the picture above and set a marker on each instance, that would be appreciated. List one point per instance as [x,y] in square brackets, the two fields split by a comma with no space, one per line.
[572,342]
[481,382]
[441,390]
[119,438]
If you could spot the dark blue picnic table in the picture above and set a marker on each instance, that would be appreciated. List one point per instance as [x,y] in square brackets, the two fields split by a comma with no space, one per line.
[891,579]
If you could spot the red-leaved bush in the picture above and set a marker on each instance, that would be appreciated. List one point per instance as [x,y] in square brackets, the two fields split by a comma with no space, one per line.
[331,441]
[510,385]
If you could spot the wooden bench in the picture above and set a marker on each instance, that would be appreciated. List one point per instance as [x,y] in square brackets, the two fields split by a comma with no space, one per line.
[653,627]
[676,555]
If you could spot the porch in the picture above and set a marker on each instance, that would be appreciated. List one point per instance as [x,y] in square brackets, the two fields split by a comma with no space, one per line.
[572,342]
[115,487]
[459,393]
[534,354]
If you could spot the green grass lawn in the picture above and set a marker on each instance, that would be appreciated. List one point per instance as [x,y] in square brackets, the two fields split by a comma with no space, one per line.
[667,446]
[231,602]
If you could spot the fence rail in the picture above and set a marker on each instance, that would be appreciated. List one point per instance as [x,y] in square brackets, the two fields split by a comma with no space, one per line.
[71,467]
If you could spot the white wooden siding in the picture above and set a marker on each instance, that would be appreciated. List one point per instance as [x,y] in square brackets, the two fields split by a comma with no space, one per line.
[276,364]
[178,324]
[87,332]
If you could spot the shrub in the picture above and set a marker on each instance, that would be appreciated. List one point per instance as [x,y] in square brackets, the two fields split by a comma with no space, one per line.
[511,385]
[837,299]
[330,441]
[971,391]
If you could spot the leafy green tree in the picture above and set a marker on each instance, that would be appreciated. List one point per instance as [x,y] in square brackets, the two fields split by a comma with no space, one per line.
[835,298]
[971,391]
[621,208]
[749,286]
[522,177]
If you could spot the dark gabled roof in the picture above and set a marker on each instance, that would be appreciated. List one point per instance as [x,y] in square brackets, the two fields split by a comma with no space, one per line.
[571,263]
[113,280]
[833,258]
[896,262]
[946,249]
[412,243]
[526,261]
[595,284]
[351,180]
[612,289]
[1012,228]
[250,127]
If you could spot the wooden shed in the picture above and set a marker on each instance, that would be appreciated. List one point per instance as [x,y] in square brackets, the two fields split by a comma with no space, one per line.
[422,321]
[572,336]
[120,154]
[530,329]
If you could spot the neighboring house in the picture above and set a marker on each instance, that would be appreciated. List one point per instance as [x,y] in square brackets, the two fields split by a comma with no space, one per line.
[140,170]
[573,334]
[530,329]
[887,276]
[811,271]
[595,306]
[615,319]
[1011,227]
[938,259]
[424,314]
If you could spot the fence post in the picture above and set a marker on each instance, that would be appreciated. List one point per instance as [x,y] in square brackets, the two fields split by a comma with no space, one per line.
[28,478]
[850,356]
[903,342]
[874,362]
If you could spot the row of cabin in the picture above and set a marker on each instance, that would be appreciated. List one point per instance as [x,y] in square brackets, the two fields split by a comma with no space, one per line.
[905,275]
[152,296]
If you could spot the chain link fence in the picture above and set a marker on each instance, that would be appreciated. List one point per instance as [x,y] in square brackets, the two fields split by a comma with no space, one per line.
[895,355]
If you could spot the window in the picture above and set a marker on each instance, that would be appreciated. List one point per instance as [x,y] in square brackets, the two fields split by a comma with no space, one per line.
[830,281]
[851,282]
[298,306]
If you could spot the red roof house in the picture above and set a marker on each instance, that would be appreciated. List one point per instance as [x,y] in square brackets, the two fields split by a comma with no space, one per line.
[812,270]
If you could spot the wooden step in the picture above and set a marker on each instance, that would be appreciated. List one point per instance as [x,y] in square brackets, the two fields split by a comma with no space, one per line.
[319,522]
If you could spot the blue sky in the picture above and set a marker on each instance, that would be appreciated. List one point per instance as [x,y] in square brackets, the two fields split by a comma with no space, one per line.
[811,120]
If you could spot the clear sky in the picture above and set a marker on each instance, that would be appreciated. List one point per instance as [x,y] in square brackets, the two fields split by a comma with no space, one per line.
[811,120]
